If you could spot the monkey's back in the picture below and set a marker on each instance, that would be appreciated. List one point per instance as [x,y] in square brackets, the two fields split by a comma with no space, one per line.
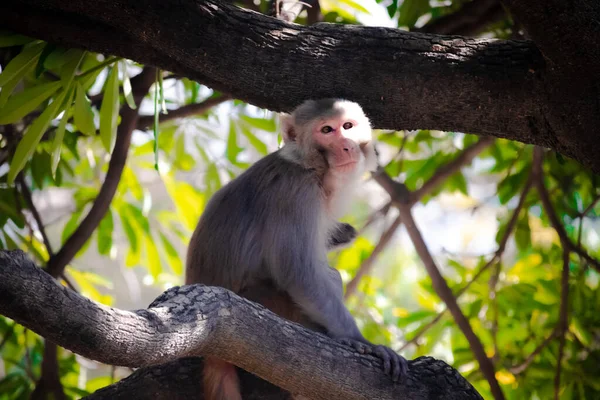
[248,224]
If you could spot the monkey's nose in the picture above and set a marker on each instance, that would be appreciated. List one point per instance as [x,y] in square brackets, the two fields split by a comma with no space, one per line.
[346,149]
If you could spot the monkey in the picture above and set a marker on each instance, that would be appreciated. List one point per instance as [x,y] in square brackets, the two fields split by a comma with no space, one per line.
[265,234]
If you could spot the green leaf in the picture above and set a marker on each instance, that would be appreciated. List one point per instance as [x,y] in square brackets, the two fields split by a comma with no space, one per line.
[48,49]
[33,135]
[411,10]
[232,149]
[172,256]
[26,101]
[109,110]
[105,230]
[70,226]
[153,258]
[73,58]
[254,141]
[28,57]
[83,115]
[523,233]
[10,86]
[59,136]
[267,125]
[127,91]
[355,6]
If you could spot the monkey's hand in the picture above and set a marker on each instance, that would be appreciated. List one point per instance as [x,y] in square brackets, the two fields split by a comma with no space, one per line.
[341,235]
[393,363]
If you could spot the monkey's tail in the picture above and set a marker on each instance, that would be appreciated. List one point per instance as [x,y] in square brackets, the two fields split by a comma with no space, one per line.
[221,380]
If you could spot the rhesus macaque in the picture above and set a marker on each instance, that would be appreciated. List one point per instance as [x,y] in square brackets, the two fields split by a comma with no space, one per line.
[266,234]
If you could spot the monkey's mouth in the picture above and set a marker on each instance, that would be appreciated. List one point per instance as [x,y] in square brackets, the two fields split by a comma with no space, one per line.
[345,166]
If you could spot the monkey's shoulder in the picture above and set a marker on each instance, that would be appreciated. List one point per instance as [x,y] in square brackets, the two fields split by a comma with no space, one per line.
[276,170]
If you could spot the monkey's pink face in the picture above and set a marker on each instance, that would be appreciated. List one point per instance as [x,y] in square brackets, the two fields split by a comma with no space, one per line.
[344,140]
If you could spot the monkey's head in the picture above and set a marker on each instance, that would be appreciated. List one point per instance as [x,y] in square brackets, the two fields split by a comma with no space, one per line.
[338,128]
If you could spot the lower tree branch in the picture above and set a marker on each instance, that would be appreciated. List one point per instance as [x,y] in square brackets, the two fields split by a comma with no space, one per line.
[140,86]
[197,320]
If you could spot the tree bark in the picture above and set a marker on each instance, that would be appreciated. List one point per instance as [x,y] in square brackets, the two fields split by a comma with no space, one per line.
[197,320]
[403,80]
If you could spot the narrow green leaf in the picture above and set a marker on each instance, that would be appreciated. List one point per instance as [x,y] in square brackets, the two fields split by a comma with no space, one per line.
[83,115]
[355,6]
[163,105]
[172,256]
[70,226]
[261,123]
[29,56]
[10,86]
[69,68]
[59,136]
[154,266]
[127,91]
[254,141]
[48,49]
[109,110]
[232,150]
[26,101]
[105,230]
[33,135]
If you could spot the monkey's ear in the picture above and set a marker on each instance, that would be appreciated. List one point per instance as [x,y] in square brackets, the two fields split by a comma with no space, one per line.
[287,128]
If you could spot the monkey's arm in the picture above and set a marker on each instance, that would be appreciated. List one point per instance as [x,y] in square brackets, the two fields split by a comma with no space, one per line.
[340,235]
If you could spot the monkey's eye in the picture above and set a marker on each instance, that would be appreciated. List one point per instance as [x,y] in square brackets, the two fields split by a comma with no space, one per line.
[348,125]
[326,129]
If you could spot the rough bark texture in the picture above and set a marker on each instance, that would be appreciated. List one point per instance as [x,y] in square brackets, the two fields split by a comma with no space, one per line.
[404,80]
[197,320]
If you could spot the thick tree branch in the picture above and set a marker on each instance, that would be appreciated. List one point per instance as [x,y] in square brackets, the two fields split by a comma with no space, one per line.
[146,121]
[129,118]
[439,283]
[471,19]
[199,320]
[489,87]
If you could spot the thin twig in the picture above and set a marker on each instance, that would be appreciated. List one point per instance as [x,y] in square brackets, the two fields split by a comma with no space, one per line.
[496,257]
[517,369]
[146,121]
[447,170]
[563,320]
[400,197]
[366,266]
[36,215]
[567,243]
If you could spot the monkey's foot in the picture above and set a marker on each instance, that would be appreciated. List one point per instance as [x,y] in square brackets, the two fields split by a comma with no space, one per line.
[393,363]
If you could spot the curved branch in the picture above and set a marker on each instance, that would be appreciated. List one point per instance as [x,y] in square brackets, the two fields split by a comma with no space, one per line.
[198,320]
[395,75]
[140,85]
[439,283]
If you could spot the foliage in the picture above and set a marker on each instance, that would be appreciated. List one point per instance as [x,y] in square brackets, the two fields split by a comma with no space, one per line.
[59,113]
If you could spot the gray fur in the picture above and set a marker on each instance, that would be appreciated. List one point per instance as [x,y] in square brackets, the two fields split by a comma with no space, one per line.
[266,225]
